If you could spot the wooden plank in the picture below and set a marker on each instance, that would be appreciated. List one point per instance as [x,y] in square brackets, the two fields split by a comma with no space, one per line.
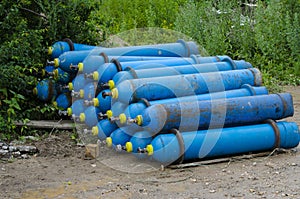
[48,124]
[219,160]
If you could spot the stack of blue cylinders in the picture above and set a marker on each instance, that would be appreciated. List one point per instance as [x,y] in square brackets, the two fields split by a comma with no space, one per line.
[166,102]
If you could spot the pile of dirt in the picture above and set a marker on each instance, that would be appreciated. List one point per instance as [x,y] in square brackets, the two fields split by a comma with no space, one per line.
[58,146]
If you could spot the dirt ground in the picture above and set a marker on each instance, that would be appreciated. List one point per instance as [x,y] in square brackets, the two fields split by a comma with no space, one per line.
[61,171]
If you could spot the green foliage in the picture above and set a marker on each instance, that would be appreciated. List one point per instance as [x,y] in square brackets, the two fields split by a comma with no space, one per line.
[266,36]
[28,27]
[279,41]
[116,16]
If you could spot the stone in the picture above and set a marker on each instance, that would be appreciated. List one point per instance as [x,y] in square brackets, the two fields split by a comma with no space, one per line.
[12,148]
[16,153]
[27,149]
[24,156]
[3,152]
[92,150]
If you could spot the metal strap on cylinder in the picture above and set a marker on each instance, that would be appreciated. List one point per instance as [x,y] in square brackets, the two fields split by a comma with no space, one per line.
[195,58]
[178,135]
[218,58]
[186,46]
[105,57]
[276,131]
[50,90]
[249,88]
[132,71]
[257,76]
[145,101]
[117,64]
[229,60]
[70,43]
[69,97]
[283,102]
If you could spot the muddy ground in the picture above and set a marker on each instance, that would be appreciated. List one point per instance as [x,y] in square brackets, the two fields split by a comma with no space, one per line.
[61,170]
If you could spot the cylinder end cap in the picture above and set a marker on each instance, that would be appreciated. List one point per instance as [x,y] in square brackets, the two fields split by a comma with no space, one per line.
[109,141]
[122,118]
[109,113]
[149,149]
[69,111]
[95,130]
[82,117]
[50,50]
[56,62]
[111,84]
[81,93]
[80,67]
[95,76]
[55,72]
[139,120]
[96,102]
[128,146]
[70,84]
[115,93]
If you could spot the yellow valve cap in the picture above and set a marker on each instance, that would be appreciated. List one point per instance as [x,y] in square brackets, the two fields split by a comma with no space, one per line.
[70,84]
[69,111]
[81,93]
[95,76]
[56,62]
[43,72]
[114,93]
[82,117]
[149,149]
[128,146]
[95,130]
[96,102]
[108,141]
[80,67]
[109,113]
[139,120]
[55,104]
[111,84]
[55,74]
[50,50]
[122,118]
[35,91]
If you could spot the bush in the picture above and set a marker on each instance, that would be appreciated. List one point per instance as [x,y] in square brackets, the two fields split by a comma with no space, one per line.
[27,28]
[266,35]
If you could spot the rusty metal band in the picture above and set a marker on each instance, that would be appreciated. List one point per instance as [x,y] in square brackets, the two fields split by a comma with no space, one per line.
[132,72]
[179,137]
[105,57]
[229,60]
[283,102]
[276,132]
[69,98]
[117,64]
[257,82]
[218,58]
[145,101]
[70,43]
[186,47]
[50,91]
[249,88]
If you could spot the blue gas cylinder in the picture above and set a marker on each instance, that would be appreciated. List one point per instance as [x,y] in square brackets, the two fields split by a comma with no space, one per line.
[45,90]
[168,148]
[63,101]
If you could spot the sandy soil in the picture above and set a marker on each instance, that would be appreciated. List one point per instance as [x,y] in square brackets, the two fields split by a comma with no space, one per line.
[60,170]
